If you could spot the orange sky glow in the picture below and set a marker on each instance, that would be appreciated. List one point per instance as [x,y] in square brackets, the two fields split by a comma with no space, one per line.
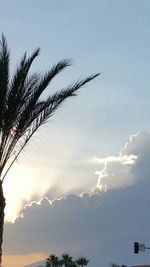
[22,260]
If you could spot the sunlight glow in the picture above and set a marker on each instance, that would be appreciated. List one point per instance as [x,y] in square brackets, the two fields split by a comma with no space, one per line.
[21,184]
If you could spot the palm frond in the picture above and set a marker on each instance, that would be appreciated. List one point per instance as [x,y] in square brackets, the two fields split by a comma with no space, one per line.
[15,95]
[21,110]
[30,122]
[4,76]
[42,111]
[32,96]
[47,78]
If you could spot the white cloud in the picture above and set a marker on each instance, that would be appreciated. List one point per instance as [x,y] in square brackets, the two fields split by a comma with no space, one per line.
[123,159]
[117,172]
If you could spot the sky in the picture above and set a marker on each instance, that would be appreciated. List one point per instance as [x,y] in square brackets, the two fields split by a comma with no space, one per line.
[82,184]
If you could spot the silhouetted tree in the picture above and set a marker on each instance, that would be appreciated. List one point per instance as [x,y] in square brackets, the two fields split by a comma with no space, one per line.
[82,261]
[67,260]
[53,261]
[21,110]
[117,265]
[73,264]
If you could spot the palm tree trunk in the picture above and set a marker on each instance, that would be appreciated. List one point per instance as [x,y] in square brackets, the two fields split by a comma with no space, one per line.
[2,207]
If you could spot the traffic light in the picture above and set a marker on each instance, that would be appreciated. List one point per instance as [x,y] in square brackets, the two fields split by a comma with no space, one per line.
[136,247]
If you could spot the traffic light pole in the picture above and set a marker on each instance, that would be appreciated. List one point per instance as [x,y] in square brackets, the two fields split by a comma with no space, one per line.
[138,247]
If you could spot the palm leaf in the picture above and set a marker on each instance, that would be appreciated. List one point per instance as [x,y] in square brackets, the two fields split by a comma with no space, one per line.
[4,77]
[22,112]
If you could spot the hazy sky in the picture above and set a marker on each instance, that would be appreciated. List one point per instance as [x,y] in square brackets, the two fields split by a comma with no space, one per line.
[86,145]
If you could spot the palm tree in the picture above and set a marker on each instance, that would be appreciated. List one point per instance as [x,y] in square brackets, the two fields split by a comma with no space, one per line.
[82,261]
[67,260]
[117,265]
[73,264]
[53,261]
[21,110]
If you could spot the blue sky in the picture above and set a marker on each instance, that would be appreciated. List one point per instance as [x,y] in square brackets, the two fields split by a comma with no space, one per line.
[111,37]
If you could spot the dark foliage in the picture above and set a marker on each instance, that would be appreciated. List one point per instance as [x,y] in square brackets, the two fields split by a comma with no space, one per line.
[21,110]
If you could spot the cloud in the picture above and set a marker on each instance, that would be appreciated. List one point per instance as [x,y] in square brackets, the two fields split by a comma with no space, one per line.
[123,159]
[126,168]
[117,172]
[101,226]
